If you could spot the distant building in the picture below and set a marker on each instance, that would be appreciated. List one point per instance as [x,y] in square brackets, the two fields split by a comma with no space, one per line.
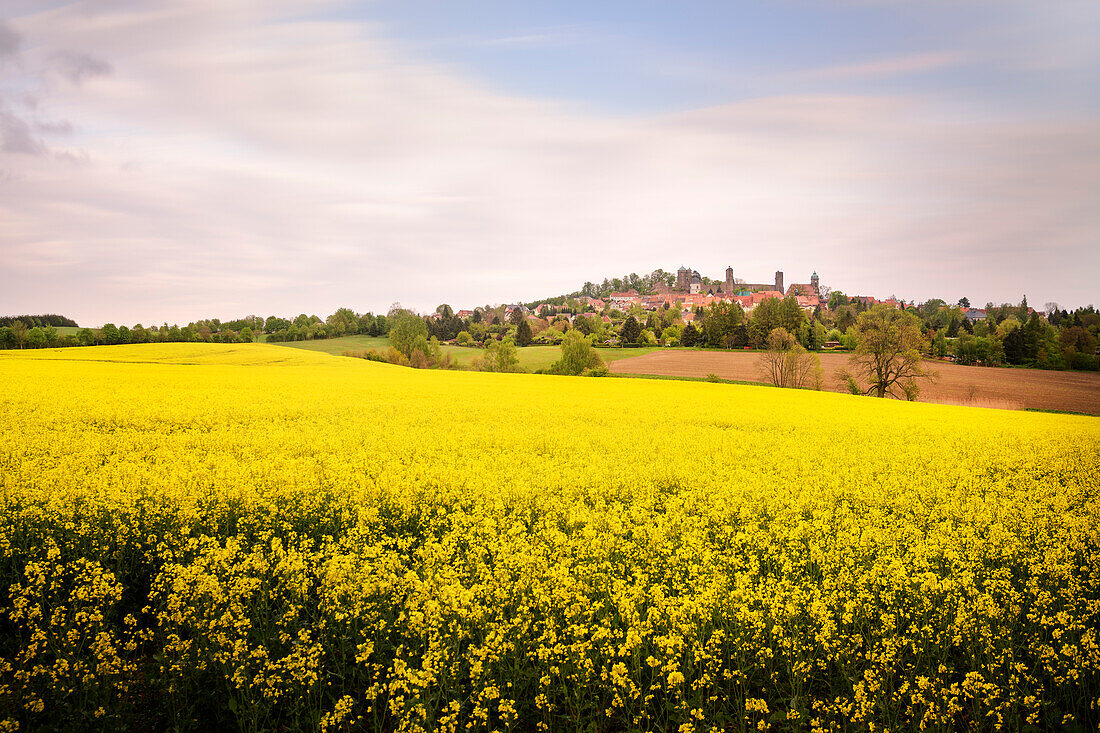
[683,279]
[695,285]
[974,314]
[807,294]
[595,303]
[623,299]
[691,282]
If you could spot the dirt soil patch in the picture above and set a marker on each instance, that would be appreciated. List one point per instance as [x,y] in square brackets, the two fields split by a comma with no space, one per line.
[1013,389]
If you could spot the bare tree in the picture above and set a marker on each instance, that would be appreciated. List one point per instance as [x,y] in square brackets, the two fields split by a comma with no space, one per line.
[887,359]
[785,363]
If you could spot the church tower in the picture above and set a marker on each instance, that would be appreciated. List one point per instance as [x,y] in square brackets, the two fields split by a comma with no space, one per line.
[695,285]
[814,283]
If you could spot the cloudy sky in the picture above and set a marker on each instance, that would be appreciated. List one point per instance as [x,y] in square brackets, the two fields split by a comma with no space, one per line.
[167,160]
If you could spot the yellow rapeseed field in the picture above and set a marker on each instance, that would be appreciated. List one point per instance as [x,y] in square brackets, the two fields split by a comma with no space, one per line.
[259,538]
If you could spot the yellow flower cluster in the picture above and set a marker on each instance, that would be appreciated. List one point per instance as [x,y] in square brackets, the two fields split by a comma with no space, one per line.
[206,536]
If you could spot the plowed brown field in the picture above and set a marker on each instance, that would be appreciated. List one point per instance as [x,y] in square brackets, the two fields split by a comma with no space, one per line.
[1013,389]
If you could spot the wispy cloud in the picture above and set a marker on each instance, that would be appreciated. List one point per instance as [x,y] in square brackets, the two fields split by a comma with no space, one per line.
[882,67]
[540,38]
[76,67]
[16,136]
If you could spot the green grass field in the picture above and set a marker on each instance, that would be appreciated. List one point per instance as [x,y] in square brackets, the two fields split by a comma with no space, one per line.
[531,358]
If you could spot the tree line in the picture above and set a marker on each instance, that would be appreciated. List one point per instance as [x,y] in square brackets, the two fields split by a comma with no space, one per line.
[41,321]
[1015,335]
[1008,334]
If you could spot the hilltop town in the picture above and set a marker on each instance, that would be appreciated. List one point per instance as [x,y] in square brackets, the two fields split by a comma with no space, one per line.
[686,291]
[661,309]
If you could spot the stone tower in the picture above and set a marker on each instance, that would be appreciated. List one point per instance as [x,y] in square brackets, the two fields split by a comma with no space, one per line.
[728,287]
[779,280]
[683,279]
[814,283]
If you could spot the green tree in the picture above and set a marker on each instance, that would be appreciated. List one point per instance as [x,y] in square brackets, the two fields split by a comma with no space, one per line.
[583,324]
[523,333]
[720,324]
[36,338]
[420,352]
[343,321]
[791,315]
[405,328]
[818,336]
[110,334]
[246,335]
[507,356]
[672,316]
[931,308]
[1037,334]
[837,299]
[939,346]
[671,335]
[499,356]
[690,335]
[368,325]
[1013,345]
[887,357]
[978,350]
[19,332]
[631,331]
[772,313]
[1078,347]
[577,355]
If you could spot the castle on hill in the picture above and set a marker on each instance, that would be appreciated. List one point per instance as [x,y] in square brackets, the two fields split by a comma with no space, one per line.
[689,282]
[688,292]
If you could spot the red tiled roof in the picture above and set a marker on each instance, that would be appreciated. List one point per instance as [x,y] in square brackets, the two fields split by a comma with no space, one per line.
[764,295]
